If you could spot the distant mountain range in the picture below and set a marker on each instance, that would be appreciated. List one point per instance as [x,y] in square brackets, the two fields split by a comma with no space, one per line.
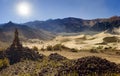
[7,32]
[45,29]
[76,24]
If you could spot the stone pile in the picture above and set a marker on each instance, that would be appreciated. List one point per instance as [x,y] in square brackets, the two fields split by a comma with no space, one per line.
[16,52]
[92,64]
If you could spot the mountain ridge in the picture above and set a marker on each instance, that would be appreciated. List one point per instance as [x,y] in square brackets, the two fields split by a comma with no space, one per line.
[6,31]
[72,24]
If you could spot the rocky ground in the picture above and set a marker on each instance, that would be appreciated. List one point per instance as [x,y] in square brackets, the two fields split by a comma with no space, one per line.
[57,65]
[82,55]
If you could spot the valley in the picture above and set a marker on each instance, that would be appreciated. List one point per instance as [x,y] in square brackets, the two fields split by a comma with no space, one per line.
[85,45]
[59,37]
[63,52]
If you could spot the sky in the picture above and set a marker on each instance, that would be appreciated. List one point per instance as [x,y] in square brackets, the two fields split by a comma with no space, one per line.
[53,9]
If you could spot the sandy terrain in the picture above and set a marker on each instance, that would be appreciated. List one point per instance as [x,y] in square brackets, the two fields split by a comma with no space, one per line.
[79,42]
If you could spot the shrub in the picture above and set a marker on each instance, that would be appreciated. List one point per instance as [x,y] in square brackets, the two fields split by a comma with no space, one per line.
[35,48]
[56,47]
[100,47]
[111,39]
[49,48]
[60,47]
[108,48]
[2,49]
[4,63]
[42,49]
[93,51]
[74,50]
[118,53]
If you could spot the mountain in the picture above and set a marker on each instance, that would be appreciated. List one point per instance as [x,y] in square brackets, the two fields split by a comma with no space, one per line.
[76,24]
[107,24]
[59,25]
[7,32]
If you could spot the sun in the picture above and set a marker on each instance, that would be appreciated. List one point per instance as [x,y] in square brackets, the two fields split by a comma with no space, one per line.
[24,9]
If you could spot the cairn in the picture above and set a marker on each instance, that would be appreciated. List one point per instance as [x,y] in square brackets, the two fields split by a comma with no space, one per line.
[16,42]
[16,52]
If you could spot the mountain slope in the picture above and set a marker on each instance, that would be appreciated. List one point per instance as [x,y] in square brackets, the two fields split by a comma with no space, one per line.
[59,25]
[108,24]
[7,32]
[76,25]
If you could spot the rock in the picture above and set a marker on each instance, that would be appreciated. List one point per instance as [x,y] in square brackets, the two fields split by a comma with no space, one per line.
[16,55]
[16,42]
[92,64]
[16,52]
[56,57]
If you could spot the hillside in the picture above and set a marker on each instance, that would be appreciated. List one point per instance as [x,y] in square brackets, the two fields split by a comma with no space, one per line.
[6,32]
[71,24]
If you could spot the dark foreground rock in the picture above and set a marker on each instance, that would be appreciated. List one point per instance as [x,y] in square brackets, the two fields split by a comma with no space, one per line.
[86,66]
[95,65]
[56,57]
[16,52]
[90,66]
[16,55]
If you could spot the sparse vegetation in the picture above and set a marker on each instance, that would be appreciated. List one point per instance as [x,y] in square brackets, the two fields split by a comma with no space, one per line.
[57,65]
[42,49]
[35,48]
[102,43]
[57,47]
[4,63]
[49,48]
[117,53]
[93,51]
[111,39]
[2,48]
[99,47]
[74,50]
[96,49]
[60,47]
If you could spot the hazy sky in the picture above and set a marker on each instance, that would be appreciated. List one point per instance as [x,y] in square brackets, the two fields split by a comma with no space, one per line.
[52,9]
